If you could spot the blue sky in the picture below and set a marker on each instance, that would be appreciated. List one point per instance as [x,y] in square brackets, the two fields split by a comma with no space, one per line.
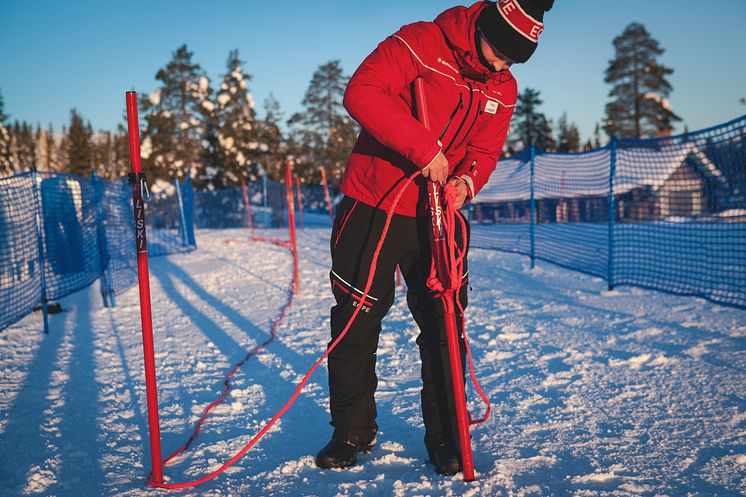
[86,54]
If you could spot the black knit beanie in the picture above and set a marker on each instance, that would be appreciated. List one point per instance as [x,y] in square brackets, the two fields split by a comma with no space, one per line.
[514,26]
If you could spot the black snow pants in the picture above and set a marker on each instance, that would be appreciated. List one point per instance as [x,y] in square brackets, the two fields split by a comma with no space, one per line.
[352,376]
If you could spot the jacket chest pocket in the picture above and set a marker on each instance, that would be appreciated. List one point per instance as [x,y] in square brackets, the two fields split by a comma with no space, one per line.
[459,128]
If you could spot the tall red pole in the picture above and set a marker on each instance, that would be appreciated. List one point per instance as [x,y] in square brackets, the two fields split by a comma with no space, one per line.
[300,202]
[440,254]
[248,206]
[326,194]
[291,222]
[137,180]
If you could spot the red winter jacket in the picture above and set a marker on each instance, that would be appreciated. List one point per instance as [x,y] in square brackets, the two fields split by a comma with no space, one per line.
[469,109]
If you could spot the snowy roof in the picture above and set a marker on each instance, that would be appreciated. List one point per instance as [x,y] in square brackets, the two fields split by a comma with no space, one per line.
[587,174]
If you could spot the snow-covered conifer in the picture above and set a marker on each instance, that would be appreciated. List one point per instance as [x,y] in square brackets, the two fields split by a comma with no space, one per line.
[273,148]
[323,134]
[176,116]
[8,160]
[78,146]
[237,138]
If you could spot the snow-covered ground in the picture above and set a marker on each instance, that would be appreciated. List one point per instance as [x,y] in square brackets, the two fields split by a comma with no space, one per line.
[627,392]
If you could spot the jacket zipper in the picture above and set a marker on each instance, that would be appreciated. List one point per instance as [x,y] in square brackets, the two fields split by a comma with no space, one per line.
[448,123]
[476,115]
[466,115]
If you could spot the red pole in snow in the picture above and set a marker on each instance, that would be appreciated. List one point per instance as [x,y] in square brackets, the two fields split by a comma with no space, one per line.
[440,254]
[248,206]
[137,180]
[291,222]
[300,203]
[326,194]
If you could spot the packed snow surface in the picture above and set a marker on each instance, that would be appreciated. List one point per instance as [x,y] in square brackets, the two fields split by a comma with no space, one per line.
[595,392]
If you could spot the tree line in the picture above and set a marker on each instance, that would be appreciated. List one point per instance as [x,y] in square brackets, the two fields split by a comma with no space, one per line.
[213,134]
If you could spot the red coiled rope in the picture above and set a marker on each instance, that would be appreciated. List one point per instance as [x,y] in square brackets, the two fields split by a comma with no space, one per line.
[458,273]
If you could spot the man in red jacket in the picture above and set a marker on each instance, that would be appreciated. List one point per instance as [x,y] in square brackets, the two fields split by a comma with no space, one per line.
[463,59]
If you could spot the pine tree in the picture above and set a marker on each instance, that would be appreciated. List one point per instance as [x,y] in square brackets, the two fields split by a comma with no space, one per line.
[40,145]
[8,159]
[62,151]
[272,154]
[78,146]
[568,136]
[121,151]
[531,127]
[639,106]
[323,134]
[3,115]
[102,153]
[237,141]
[597,136]
[25,146]
[176,115]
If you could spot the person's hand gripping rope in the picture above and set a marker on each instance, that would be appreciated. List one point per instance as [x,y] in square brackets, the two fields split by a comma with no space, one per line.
[437,170]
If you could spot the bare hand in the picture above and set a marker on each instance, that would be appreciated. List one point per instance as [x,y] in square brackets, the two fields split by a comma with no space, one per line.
[463,191]
[437,170]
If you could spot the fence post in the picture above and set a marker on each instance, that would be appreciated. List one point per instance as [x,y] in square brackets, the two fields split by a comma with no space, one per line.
[184,236]
[612,212]
[265,202]
[38,217]
[188,193]
[291,224]
[533,208]
[326,194]
[105,280]
[247,204]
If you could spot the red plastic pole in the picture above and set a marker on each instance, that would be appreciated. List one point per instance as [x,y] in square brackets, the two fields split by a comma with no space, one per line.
[248,206]
[137,181]
[300,202]
[326,194]
[440,254]
[291,222]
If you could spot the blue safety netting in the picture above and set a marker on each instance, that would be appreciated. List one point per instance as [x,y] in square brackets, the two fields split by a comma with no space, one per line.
[225,208]
[666,213]
[59,233]
[20,272]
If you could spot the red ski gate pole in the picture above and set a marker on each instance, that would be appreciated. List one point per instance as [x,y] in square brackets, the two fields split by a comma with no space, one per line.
[291,222]
[248,206]
[440,254]
[300,202]
[326,194]
[137,180]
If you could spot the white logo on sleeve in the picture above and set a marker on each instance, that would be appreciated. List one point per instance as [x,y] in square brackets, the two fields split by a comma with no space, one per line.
[490,107]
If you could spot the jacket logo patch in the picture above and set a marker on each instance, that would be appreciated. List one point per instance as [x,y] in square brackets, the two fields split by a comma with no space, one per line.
[445,63]
[490,107]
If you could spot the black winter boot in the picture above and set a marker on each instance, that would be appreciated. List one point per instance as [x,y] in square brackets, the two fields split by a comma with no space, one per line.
[446,458]
[341,451]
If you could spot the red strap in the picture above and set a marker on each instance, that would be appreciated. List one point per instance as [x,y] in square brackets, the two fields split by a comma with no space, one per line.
[299,388]
[456,258]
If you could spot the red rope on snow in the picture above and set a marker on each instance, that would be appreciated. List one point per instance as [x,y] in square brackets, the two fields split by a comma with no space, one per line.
[456,274]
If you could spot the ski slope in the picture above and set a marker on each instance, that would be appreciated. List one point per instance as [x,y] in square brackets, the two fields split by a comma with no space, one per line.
[595,393]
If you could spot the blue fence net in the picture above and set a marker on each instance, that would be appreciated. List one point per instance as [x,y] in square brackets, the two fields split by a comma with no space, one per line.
[59,233]
[225,208]
[666,213]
